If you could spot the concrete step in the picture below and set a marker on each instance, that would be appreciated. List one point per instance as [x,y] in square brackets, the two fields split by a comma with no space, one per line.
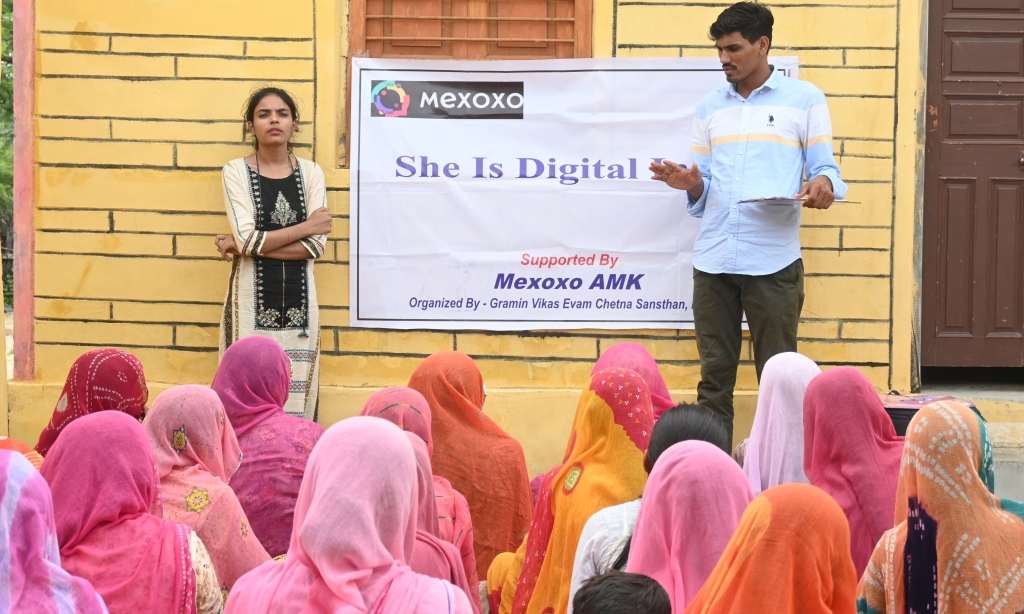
[1008,453]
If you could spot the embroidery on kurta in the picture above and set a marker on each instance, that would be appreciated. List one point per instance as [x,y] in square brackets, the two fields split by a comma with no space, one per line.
[281,286]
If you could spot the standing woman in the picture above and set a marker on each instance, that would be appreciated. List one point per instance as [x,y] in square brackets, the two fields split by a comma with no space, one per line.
[277,208]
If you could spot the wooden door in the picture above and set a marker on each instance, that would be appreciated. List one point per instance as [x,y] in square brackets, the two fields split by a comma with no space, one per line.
[974,185]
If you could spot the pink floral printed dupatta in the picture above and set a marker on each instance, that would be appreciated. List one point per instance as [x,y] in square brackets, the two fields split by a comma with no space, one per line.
[196,453]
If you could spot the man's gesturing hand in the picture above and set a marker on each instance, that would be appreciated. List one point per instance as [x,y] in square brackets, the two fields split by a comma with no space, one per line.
[679,177]
[818,192]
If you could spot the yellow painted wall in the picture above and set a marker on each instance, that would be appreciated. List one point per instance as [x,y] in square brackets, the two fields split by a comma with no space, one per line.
[139,105]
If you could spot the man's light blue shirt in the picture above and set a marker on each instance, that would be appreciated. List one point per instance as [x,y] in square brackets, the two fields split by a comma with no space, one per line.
[757,148]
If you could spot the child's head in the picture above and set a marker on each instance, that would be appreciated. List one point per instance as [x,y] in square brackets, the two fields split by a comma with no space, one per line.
[621,593]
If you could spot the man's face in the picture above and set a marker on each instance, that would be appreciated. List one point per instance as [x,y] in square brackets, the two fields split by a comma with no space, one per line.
[739,57]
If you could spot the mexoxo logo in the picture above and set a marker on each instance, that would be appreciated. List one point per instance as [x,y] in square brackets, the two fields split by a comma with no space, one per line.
[399,109]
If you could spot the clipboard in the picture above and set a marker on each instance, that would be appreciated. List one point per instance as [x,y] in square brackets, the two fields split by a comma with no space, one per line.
[779,200]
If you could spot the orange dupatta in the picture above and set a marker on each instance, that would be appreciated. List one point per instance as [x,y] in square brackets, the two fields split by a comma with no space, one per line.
[790,553]
[604,467]
[471,451]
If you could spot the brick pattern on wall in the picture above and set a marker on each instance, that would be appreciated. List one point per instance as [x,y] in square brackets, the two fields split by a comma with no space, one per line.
[138,112]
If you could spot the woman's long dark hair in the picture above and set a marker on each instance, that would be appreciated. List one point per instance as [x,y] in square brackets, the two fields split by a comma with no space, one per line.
[250,110]
[684,422]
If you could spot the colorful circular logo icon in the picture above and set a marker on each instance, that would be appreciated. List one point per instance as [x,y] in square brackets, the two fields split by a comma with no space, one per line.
[399,109]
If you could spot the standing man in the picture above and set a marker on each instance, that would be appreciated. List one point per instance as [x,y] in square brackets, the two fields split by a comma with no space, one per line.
[756,137]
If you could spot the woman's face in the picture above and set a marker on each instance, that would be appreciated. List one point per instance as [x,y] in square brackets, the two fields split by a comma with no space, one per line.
[273,123]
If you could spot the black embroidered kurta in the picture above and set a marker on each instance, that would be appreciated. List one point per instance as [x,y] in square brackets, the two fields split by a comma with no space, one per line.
[275,298]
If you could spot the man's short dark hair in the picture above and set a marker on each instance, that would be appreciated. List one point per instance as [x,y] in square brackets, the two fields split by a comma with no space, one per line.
[621,593]
[751,19]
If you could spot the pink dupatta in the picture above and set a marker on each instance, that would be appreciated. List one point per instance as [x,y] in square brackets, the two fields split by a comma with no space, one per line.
[196,453]
[363,470]
[691,506]
[407,409]
[852,452]
[31,576]
[433,556]
[253,382]
[635,357]
[108,512]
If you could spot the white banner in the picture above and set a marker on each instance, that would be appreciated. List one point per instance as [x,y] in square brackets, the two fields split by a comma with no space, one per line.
[515,195]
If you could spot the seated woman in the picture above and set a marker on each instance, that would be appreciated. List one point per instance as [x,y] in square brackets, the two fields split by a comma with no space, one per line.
[774,453]
[13,445]
[948,517]
[852,452]
[605,541]
[253,382]
[472,452]
[31,575]
[604,467]
[407,409]
[99,380]
[635,357]
[691,507]
[196,454]
[433,556]
[110,526]
[355,529]
[790,553]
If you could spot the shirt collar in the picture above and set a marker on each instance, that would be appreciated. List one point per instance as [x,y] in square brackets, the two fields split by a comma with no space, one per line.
[770,84]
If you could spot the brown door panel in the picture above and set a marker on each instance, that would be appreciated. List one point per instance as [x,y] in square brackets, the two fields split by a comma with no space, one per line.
[973,249]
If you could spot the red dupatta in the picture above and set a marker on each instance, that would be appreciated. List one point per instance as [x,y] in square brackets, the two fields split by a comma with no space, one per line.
[99,380]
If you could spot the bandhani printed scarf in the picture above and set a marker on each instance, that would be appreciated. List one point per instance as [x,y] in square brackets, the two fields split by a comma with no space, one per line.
[31,577]
[613,426]
[635,357]
[253,382]
[692,503]
[774,454]
[196,453]
[99,380]
[852,452]
[790,554]
[109,517]
[472,452]
[958,546]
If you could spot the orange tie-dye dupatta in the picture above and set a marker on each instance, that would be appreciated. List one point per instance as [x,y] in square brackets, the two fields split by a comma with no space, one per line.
[957,547]
[604,467]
